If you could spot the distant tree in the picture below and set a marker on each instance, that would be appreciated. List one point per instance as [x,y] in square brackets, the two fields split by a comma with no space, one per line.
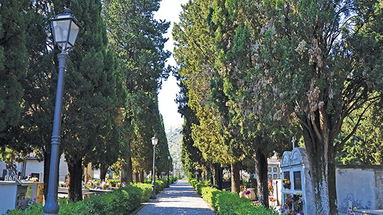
[191,156]
[138,40]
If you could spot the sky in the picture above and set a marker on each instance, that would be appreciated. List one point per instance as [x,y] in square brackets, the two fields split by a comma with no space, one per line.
[169,11]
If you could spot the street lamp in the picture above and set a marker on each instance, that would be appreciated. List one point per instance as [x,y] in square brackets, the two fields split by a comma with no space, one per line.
[154,142]
[65,30]
[168,168]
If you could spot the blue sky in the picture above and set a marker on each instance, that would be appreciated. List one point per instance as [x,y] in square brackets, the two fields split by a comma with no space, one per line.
[169,11]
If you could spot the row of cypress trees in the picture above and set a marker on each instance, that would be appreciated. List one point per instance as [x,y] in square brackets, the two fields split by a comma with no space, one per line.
[256,73]
[110,107]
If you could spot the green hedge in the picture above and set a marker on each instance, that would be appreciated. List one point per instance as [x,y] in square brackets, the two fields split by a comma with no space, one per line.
[228,203]
[162,183]
[121,201]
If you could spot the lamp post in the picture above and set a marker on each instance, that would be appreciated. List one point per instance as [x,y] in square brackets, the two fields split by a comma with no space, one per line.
[168,169]
[154,142]
[65,30]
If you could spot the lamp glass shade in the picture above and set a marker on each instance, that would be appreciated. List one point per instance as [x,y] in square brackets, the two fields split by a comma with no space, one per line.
[154,140]
[61,31]
[65,30]
[74,29]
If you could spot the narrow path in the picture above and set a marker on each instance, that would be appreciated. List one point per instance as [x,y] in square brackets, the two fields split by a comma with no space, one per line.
[179,199]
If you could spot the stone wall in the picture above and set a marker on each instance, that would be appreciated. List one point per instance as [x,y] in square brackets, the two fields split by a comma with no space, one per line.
[379,188]
[360,187]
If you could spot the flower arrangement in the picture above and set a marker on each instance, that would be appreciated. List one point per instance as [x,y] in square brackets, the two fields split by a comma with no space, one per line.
[245,194]
[286,183]
[293,204]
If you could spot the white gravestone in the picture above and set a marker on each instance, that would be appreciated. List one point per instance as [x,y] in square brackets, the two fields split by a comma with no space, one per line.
[297,191]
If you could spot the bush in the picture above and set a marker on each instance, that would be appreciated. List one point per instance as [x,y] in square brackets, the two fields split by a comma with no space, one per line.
[209,194]
[162,183]
[121,201]
[36,209]
[228,203]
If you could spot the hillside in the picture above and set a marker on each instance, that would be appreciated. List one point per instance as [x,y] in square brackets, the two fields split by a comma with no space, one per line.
[175,142]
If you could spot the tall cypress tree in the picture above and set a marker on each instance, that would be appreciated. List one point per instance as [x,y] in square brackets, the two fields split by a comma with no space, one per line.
[138,40]
[91,101]
[13,61]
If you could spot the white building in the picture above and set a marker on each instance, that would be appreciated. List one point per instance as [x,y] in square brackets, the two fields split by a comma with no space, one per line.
[274,170]
[33,167]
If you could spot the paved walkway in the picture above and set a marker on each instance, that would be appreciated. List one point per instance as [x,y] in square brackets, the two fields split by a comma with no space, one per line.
[179,199]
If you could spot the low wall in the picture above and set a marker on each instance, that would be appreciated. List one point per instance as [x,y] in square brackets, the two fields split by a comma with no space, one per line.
[7,196]
[360,187]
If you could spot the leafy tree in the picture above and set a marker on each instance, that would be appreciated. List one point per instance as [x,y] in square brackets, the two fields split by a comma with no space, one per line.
[310,61]
[91,98]
[214,49]
[195,54]
[32,132]
[191,157]
[138,40]
[13,62]
[364,147]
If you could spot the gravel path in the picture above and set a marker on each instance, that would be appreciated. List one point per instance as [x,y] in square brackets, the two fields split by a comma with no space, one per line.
[179,199]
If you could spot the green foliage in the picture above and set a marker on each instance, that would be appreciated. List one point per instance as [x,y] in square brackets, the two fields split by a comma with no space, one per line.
[122,201]
[13,62]
[228,203]
[209,194]
[92,96]
[142,58]
[35,209]
[363,148]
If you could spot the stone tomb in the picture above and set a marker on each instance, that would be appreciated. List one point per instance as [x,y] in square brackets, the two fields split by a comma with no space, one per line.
[297,188]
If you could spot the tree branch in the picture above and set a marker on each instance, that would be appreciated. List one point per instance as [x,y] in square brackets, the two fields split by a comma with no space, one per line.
[355,127]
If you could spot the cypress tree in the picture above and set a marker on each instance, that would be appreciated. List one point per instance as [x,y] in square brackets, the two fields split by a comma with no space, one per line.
[13,62]
[91,101]
[138,40]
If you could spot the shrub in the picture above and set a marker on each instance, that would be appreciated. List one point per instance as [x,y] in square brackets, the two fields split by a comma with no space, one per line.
[209,194]
[228,203]
[36,209]
[121,201]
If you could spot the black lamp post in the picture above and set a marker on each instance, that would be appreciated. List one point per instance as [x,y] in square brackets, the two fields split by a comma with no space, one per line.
[154,142]
[65,30]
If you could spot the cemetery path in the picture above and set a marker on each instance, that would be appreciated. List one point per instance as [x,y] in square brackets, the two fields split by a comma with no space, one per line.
[179,199]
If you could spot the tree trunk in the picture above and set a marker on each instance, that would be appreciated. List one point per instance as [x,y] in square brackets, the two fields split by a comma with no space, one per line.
[137,177]
[75,183]
[235,178]
[142,176]
[127,171]
[261,172]
[218,179]
[103,171]
[199,172]
[321,155]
